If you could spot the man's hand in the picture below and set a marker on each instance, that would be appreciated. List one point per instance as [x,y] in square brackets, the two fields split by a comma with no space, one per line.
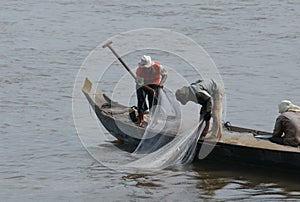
[161,85]
[154,93]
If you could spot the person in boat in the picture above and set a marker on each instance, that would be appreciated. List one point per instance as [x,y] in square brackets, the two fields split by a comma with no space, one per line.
[150,77]
[287,126]
[209,94]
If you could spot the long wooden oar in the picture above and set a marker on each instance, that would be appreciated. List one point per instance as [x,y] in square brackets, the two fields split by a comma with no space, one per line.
[108,44]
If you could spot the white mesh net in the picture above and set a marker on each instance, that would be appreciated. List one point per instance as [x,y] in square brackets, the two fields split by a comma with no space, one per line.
[166,142]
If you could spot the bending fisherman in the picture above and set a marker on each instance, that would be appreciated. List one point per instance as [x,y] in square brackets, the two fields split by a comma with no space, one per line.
[209,94]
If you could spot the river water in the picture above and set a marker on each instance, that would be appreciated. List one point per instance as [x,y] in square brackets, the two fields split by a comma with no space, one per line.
[255,45]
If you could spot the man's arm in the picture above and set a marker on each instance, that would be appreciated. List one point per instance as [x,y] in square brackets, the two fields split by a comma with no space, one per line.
[163,80]
[164,76]
[278,130]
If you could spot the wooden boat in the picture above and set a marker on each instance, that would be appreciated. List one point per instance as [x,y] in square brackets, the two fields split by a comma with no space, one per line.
[115,118]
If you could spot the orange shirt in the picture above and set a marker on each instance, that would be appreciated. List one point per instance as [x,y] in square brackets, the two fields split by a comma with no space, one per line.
[150,75]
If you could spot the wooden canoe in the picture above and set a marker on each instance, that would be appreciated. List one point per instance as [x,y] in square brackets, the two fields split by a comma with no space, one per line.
[115,118]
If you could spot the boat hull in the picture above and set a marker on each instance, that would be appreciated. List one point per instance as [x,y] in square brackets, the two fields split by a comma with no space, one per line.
[130,134]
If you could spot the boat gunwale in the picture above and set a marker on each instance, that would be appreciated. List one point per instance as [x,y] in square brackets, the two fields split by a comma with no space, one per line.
[200,142]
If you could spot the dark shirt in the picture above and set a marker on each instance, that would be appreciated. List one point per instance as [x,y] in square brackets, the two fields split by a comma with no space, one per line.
[287,126]
[203,90]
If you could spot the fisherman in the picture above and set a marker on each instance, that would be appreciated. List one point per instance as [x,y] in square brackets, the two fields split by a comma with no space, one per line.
[287,125]
[209,94]
[150,77]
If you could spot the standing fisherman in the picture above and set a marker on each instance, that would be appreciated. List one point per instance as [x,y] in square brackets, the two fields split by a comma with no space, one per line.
[153,75]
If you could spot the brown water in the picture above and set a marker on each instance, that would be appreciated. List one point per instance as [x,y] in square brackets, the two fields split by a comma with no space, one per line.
[255,45]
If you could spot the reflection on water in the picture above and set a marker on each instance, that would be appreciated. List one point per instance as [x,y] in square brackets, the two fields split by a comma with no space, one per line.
[245,182]
[204,180]
[211,180]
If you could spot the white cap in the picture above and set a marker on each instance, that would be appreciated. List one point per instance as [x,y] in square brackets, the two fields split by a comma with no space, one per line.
[146,61]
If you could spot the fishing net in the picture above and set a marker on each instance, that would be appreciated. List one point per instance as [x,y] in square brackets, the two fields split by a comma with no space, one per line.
[166,141]
[163,123]
[180,151]
[216,129]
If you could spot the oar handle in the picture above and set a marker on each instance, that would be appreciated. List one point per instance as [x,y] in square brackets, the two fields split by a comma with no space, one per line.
[108,44]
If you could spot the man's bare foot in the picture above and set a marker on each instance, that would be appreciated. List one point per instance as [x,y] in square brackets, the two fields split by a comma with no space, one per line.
[142,124]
